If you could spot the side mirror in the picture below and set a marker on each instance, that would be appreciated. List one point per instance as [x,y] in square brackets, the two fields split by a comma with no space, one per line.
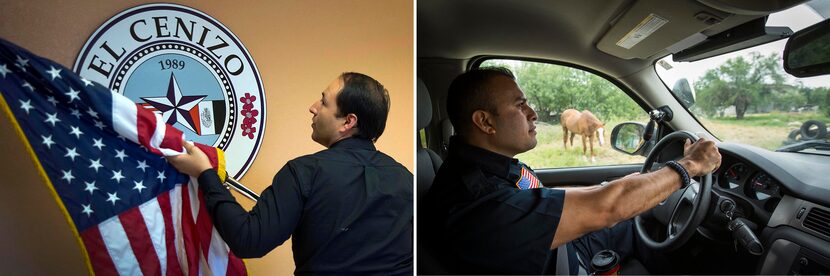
[807,52]
[628,137]
[683,91]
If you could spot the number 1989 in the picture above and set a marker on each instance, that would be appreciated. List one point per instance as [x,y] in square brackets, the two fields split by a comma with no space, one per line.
[174,64]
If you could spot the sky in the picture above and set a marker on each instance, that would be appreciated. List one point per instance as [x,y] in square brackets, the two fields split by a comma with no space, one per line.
[796,18]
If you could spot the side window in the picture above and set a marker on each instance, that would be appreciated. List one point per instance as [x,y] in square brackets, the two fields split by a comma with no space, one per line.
[558,92]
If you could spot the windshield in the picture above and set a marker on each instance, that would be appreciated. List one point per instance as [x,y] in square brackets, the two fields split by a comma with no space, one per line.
[746,97]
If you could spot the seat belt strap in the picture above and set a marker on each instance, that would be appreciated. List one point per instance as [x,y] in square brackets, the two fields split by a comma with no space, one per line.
[562,264]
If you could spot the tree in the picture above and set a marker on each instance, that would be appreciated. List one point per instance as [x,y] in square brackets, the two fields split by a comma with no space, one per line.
[741,83]
[786,97]
[819,96]
[551,89]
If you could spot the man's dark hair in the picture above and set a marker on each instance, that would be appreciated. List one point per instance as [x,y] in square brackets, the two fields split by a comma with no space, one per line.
[468,93]
[368,100]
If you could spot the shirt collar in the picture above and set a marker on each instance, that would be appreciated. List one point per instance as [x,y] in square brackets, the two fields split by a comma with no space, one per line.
[489,162]
[354,143]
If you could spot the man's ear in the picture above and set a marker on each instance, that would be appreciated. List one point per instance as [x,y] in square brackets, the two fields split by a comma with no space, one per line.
[482,120]
[350,122]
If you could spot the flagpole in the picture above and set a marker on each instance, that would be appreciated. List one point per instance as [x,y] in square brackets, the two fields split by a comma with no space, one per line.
[233,183]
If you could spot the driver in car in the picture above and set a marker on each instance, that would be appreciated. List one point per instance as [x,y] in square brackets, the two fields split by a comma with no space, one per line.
[487,212]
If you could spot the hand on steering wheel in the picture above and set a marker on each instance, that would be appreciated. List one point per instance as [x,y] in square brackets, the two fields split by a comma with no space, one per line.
[684,210]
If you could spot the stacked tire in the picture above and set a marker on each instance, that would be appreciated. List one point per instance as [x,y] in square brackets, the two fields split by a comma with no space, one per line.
[813,130]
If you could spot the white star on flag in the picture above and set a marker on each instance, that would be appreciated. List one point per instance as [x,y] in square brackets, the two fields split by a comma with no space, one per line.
[73,94]
[96,164]
[139,185]
[52,118]
[98,143]
[120,155]
[99,124]
[67,175]
[47,141]
[90,186]
[75,113]
[4,70]
[71,153]
[117,176]
[29,85]
[86,82]
[27,105]
[21,63]
[92,113]
[87,210]
[113,197]
[76,131]
[55,72]
[142,165]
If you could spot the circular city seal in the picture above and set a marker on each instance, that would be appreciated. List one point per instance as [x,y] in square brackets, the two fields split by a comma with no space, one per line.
[187,67]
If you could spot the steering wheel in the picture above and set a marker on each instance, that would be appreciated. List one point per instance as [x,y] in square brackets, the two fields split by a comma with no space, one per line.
[684,210]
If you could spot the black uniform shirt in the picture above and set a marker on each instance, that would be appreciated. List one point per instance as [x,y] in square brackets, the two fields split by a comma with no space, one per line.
[348,207]
[476,221]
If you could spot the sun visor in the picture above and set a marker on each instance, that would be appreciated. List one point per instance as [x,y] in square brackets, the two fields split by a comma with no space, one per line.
[752,7]
[749,34]
[651,26]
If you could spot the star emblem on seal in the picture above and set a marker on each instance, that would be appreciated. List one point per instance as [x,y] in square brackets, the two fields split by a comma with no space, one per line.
[176,108]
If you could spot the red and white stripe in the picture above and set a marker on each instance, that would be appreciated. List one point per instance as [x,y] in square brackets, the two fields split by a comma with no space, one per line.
[168,235]
[171,234]
[145,127]
[534,182]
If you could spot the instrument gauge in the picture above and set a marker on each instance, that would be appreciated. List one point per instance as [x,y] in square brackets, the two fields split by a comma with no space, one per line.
[762,187]
[734,175]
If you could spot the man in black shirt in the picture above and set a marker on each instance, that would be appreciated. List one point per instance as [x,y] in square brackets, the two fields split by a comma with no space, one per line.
[485,212]
[349,207]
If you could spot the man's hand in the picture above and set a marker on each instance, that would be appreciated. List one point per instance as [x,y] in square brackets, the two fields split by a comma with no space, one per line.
[192,163]
[700,158]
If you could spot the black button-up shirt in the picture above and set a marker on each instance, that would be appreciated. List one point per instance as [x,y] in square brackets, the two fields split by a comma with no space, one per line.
[348,207]
[474,219]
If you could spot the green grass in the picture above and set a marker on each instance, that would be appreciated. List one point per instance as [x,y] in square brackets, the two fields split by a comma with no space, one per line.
[767,131]
[551,153]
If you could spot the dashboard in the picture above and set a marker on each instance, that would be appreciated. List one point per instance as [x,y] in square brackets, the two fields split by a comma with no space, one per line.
[755,183]
[778,192]
[757,179]
[752,188]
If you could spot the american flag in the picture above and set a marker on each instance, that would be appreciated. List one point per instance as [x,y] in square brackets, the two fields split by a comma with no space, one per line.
[132,212]
[528,179]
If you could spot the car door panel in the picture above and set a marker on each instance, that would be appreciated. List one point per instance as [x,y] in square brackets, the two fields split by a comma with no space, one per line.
[584,176]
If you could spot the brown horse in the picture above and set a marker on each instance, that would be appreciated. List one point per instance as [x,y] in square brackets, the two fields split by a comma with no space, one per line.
[586,125]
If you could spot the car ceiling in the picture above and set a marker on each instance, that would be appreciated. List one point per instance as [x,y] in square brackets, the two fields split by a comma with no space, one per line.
[574,31]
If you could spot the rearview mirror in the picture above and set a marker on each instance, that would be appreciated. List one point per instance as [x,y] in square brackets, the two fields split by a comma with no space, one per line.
[807,52]
[683,91]
[628,137]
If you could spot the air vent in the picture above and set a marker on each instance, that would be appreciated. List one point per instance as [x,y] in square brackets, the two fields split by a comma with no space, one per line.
[818,220]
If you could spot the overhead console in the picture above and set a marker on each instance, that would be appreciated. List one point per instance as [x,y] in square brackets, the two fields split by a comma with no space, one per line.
[649,28]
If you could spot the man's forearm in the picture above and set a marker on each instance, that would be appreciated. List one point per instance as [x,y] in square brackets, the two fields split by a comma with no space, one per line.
[230,219]
[214,192]
[639,193]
